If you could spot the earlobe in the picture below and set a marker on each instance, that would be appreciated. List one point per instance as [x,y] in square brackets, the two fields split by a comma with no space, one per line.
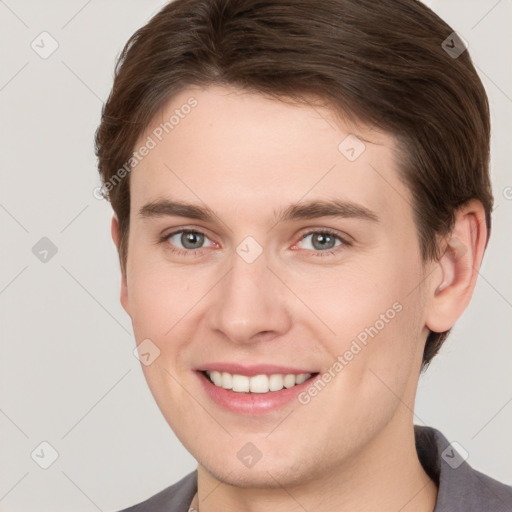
[461,258]
[114,229]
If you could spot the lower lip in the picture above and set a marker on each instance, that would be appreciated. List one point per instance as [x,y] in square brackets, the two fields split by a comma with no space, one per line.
[251,404]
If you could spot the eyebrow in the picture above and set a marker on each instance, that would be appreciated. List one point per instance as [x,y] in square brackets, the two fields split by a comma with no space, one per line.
[295,211]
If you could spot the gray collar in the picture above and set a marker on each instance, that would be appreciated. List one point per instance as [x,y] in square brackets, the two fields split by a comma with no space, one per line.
[461,488]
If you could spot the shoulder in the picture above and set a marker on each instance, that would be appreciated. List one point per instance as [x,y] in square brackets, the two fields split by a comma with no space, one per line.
[487,492]
[175,498]
[461,488]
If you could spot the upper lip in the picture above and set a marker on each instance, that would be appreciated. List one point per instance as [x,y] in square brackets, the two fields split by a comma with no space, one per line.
[254,369]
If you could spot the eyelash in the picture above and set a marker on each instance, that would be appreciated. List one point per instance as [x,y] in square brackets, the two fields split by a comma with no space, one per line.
[316,253]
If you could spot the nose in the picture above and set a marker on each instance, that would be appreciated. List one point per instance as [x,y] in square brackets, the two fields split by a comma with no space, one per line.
[250,303]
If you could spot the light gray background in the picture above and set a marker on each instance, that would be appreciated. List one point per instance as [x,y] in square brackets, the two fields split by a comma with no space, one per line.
[67,372]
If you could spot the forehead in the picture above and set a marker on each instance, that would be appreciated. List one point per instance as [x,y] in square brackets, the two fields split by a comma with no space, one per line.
[242,151]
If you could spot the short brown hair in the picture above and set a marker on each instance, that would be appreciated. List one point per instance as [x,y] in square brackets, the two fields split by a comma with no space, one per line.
[381,63]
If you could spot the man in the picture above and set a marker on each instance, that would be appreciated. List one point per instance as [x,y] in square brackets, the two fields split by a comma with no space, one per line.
[302,203]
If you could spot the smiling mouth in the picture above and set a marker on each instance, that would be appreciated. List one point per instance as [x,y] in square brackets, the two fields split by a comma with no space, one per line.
[263,383]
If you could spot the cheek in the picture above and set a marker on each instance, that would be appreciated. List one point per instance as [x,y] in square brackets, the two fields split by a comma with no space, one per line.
[152,308]
[374,314]
[349,300]
[158,295]
[382,353]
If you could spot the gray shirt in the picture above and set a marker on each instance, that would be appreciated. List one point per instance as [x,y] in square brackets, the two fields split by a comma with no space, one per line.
[461,488]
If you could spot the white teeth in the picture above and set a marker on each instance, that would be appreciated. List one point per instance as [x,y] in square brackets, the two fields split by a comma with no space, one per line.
[275,382]
[217,378]
[227,380]
[303,377]
[258,383]
[240,383]
[289,380]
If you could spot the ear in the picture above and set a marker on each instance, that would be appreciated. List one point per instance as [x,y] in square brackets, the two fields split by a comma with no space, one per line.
[114,229]
[462,252]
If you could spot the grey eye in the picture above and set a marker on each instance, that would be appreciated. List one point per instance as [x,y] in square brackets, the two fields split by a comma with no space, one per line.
[322,241]
[188,239]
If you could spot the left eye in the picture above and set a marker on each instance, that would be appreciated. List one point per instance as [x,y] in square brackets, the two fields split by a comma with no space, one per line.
[322,240]
[188,239]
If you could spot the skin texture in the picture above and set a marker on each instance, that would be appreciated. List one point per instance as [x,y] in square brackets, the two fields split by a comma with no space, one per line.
[243,156]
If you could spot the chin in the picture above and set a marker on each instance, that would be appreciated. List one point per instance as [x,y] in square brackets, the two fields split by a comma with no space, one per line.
[264,475]
[250,478]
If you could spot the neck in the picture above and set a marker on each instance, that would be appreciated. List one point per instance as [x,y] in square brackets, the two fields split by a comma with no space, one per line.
[386,476]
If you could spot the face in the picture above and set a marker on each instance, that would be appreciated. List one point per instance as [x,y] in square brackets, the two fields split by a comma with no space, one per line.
[299,260]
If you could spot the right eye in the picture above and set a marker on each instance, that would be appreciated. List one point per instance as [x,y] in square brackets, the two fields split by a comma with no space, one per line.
[190,241]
